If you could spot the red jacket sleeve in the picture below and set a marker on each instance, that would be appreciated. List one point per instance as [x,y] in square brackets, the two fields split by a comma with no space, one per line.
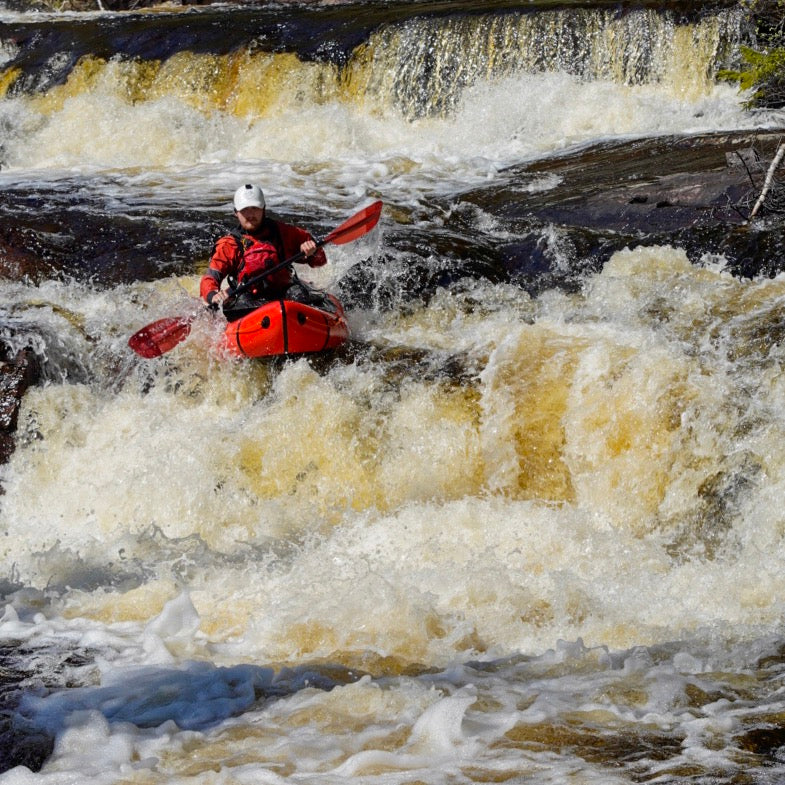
[223,262]
[293,237]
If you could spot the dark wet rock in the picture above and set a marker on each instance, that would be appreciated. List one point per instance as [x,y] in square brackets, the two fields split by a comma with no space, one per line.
[46,233]
[17,374]
[28,670]
[651,186]
[564,217]
[568,214]
[15,262]
[20,748]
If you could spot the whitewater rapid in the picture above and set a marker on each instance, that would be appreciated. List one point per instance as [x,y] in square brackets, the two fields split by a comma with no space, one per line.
[497,537]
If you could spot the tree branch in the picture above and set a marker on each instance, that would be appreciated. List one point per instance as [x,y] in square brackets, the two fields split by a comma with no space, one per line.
[767,182]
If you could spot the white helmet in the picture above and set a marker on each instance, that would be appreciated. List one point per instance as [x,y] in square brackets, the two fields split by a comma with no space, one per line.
[248,196]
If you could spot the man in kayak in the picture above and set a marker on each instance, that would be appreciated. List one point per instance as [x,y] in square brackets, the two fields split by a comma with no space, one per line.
[260,244]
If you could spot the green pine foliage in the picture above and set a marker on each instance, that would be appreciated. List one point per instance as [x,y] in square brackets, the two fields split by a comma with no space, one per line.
[763,70]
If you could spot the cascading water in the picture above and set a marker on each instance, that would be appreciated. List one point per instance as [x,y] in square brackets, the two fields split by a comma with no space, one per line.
[503,534]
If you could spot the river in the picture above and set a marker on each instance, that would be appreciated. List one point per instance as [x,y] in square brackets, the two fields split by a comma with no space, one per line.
[523,527]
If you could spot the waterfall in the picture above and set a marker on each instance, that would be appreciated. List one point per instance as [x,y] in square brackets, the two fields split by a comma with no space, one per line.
[422,67]
[415,67]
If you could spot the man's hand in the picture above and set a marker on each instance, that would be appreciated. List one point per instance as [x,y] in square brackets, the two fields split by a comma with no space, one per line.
[218,299]
[308,248]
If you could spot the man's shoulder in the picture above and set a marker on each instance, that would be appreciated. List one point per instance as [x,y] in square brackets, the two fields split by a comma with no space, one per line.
[227,246]
[230,238]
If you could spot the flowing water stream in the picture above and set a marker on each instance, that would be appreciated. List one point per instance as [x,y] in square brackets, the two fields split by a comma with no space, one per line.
[500,536]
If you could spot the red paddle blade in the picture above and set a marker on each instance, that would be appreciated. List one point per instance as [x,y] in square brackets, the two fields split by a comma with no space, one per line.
[159,337]
[359,224]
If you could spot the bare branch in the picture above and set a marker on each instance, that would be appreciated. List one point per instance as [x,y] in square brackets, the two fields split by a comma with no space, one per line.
[769,177]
